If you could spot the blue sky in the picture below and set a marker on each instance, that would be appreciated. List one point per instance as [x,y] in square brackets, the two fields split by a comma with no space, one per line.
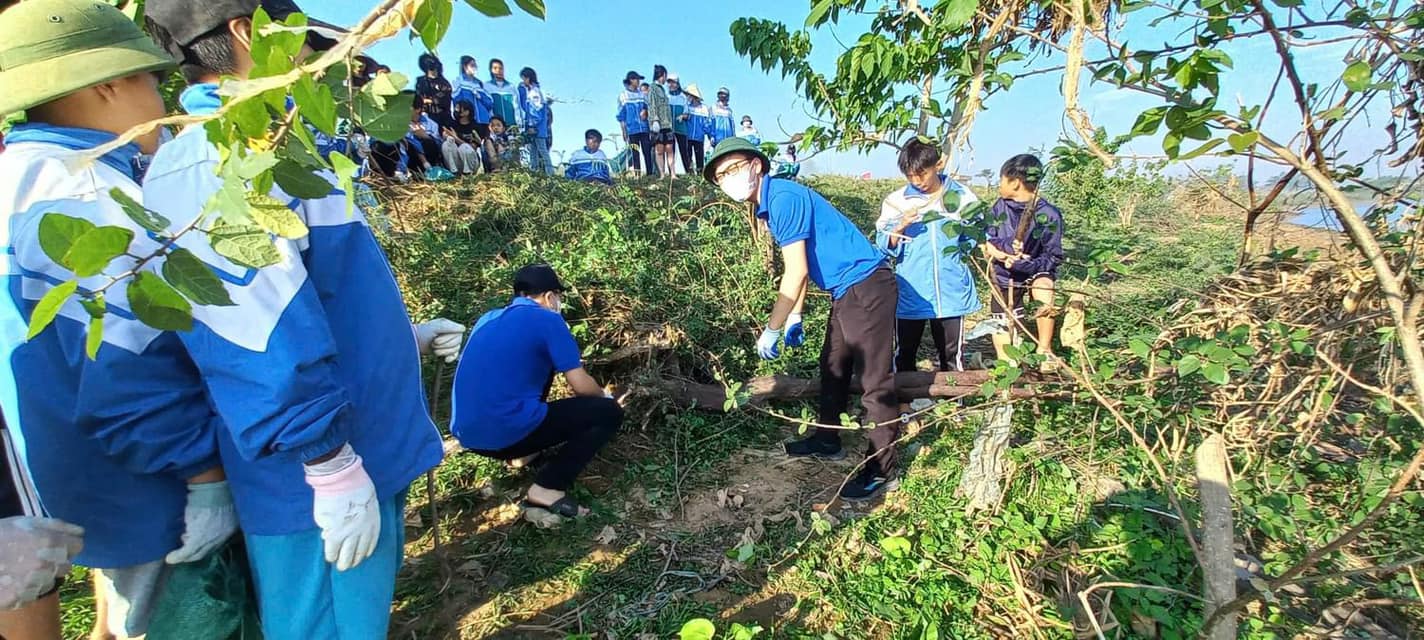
[583,50]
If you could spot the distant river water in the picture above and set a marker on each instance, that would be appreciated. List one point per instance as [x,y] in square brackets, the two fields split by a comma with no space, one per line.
[1324,218]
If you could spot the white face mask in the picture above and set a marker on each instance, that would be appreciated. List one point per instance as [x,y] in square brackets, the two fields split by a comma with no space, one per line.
[741,185]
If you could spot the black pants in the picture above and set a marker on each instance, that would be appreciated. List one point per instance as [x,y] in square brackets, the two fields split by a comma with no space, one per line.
[860,339]
[948,336]
[430,149]
[699,157]
[645,146]
[583,425]
[684,150]
[386,157]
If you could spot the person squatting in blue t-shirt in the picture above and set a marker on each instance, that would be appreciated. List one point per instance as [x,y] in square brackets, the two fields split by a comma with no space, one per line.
[500,399]
[820,244]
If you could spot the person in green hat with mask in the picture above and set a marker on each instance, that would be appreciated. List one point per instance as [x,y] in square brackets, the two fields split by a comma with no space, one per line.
[819,244]
[106,442]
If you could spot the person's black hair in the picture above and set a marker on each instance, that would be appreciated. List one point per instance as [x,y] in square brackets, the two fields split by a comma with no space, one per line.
[468,105]
[209,54]
[385,68]
[659,72]
[1025,168]
[465,62]
[494,60]
[428,62]
[530,73]
[593,133]
[918,156]
[501,120]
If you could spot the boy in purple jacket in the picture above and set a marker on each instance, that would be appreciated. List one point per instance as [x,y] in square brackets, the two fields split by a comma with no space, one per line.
[1025,252]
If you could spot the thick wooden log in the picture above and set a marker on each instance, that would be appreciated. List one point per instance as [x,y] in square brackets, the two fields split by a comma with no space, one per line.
[909,385]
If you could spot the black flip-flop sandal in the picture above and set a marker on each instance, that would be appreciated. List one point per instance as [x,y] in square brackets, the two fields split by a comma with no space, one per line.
[564,507]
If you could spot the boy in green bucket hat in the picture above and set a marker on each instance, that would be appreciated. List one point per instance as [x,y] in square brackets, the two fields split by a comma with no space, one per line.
[105,442]
[818,243]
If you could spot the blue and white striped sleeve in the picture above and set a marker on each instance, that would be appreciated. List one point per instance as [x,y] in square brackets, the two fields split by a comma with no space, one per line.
[138,399]
[268,361]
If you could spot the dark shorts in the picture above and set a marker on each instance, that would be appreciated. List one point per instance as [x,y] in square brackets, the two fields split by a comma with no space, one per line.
[664,137]
[1013,296]
[1015,301]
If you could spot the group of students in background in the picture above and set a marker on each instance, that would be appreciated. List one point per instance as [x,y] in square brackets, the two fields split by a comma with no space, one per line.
[472,126]
[475,125]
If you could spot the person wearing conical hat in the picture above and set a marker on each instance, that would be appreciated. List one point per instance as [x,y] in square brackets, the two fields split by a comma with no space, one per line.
[820,245]
[699,126]
[122,444]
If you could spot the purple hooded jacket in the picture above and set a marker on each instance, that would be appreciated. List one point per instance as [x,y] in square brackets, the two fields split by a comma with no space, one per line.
[1043,244]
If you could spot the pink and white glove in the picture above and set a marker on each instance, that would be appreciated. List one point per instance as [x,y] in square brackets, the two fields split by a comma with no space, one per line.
[345,507]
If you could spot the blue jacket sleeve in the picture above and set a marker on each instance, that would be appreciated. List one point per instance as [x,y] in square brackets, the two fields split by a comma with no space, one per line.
[269,360]
[149,421]
[1050,249]
[140,398]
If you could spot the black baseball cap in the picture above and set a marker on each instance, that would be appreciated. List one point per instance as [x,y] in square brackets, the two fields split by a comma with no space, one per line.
[534,279]
[632,75]
[185,20]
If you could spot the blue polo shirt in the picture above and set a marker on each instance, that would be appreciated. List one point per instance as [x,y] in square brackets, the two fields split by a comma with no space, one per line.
[838,255]
[505,372]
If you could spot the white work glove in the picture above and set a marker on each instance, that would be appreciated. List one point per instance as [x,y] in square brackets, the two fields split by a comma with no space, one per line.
[34,553]
[209,519]
[768,345]
[345,507]
[440,337]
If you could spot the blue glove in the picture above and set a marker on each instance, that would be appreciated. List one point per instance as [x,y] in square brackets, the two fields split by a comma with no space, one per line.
[795,335]
[768,346]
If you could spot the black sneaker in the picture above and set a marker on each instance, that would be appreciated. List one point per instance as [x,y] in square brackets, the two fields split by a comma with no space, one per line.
[865,485]
[815,448]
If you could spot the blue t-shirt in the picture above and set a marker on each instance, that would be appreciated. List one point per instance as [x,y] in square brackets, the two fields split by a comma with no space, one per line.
[838,255]
[505,372]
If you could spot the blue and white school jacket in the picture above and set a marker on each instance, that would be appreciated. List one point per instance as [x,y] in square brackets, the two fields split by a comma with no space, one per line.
[699,122]
[109,442]
[504,96]
[317,351]
[931,283]
[631,105]
[722,126]
[472,90]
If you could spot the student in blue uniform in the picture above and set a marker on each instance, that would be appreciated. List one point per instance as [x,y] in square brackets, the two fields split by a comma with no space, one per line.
[936,286]
[501,407]
[536,118]
[469,88]
[1027,265]
[633,120]
[722,125]
[503,94]
[123,444]
[820,245]
[314,373]
[699,126]
[677,101]
[589,163]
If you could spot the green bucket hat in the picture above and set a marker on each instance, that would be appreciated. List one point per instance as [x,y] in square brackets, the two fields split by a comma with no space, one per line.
[730,146]
[52,48]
